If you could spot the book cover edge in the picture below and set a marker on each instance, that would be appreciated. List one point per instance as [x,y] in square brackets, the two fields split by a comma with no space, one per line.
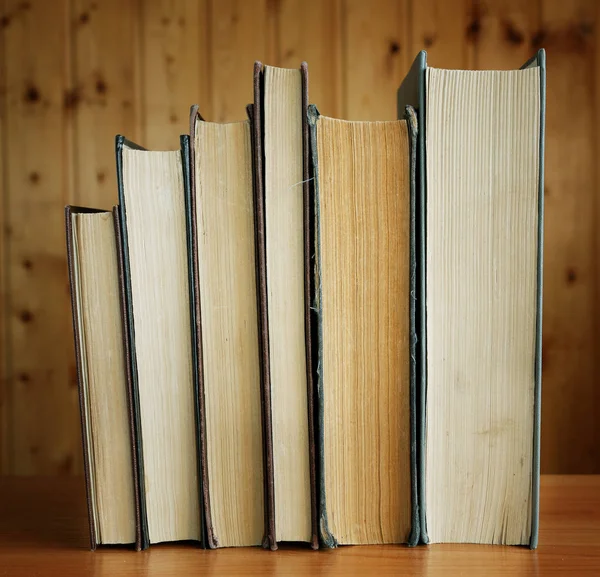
[187,154]
[143,539]
[69,211]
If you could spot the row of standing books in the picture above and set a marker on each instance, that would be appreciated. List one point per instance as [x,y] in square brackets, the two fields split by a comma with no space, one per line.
[304,329]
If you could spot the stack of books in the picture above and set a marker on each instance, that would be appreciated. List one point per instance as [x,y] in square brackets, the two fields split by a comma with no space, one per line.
[304,329]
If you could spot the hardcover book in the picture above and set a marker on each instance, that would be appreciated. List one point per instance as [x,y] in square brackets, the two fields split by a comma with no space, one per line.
[93,245]
[159,340]
[364,207]
[479,294]
[281,170]
[226,325]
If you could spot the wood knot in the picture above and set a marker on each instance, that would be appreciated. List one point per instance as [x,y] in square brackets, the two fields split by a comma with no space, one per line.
[66,465]
[473,30]
[512,34]
[26,316]
[538,38]
[32,94]
[101,86]
[71,99]
[394,47]
[429,40]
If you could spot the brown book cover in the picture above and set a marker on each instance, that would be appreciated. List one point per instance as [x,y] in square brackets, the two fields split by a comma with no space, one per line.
[69,211]
[211,541]
[255,113]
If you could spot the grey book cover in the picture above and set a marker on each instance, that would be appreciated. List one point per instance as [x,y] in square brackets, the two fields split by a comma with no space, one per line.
[413,92]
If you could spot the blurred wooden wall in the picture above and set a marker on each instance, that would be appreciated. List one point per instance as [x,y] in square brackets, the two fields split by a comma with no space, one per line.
[73,73]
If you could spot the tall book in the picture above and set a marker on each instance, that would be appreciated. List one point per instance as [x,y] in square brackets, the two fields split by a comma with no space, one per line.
[281,167]
[93,244]
[159,339]
[226,326]
[364,207]
[481,162]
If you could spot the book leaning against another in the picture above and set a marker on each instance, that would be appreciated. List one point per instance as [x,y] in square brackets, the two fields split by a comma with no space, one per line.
[96,298]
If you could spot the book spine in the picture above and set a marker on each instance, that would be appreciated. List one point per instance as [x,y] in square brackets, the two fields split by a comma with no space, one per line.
[78,362]
[130,403]
[411,121]
[540,61]
[187,156]
[142,537]
[326,538]
[308,316]
[255,113]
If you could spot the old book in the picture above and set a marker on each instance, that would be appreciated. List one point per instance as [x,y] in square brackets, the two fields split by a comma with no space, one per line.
[159,339]
[480,297]
[281,172]
[101,375]
[364,275]
[223,248]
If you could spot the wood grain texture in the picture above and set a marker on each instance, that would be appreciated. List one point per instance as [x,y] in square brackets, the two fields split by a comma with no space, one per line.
[4,389]
[570,348]
[505,30]
[447,30]
[239,35]
[105,97]
[310,31]
[43,531]
[375,57]
[77,72]
[175,70]
[44,421]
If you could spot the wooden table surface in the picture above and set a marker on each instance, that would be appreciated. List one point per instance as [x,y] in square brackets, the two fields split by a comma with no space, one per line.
[43,531]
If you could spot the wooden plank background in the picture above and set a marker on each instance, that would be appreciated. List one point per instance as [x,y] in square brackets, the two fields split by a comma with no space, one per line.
[73,73]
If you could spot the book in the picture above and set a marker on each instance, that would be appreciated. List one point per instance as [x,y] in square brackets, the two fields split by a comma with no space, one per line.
[159,339]
[282,206]
[481,151]
[92,254]
[296,328]
[364,202]
[223,249]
